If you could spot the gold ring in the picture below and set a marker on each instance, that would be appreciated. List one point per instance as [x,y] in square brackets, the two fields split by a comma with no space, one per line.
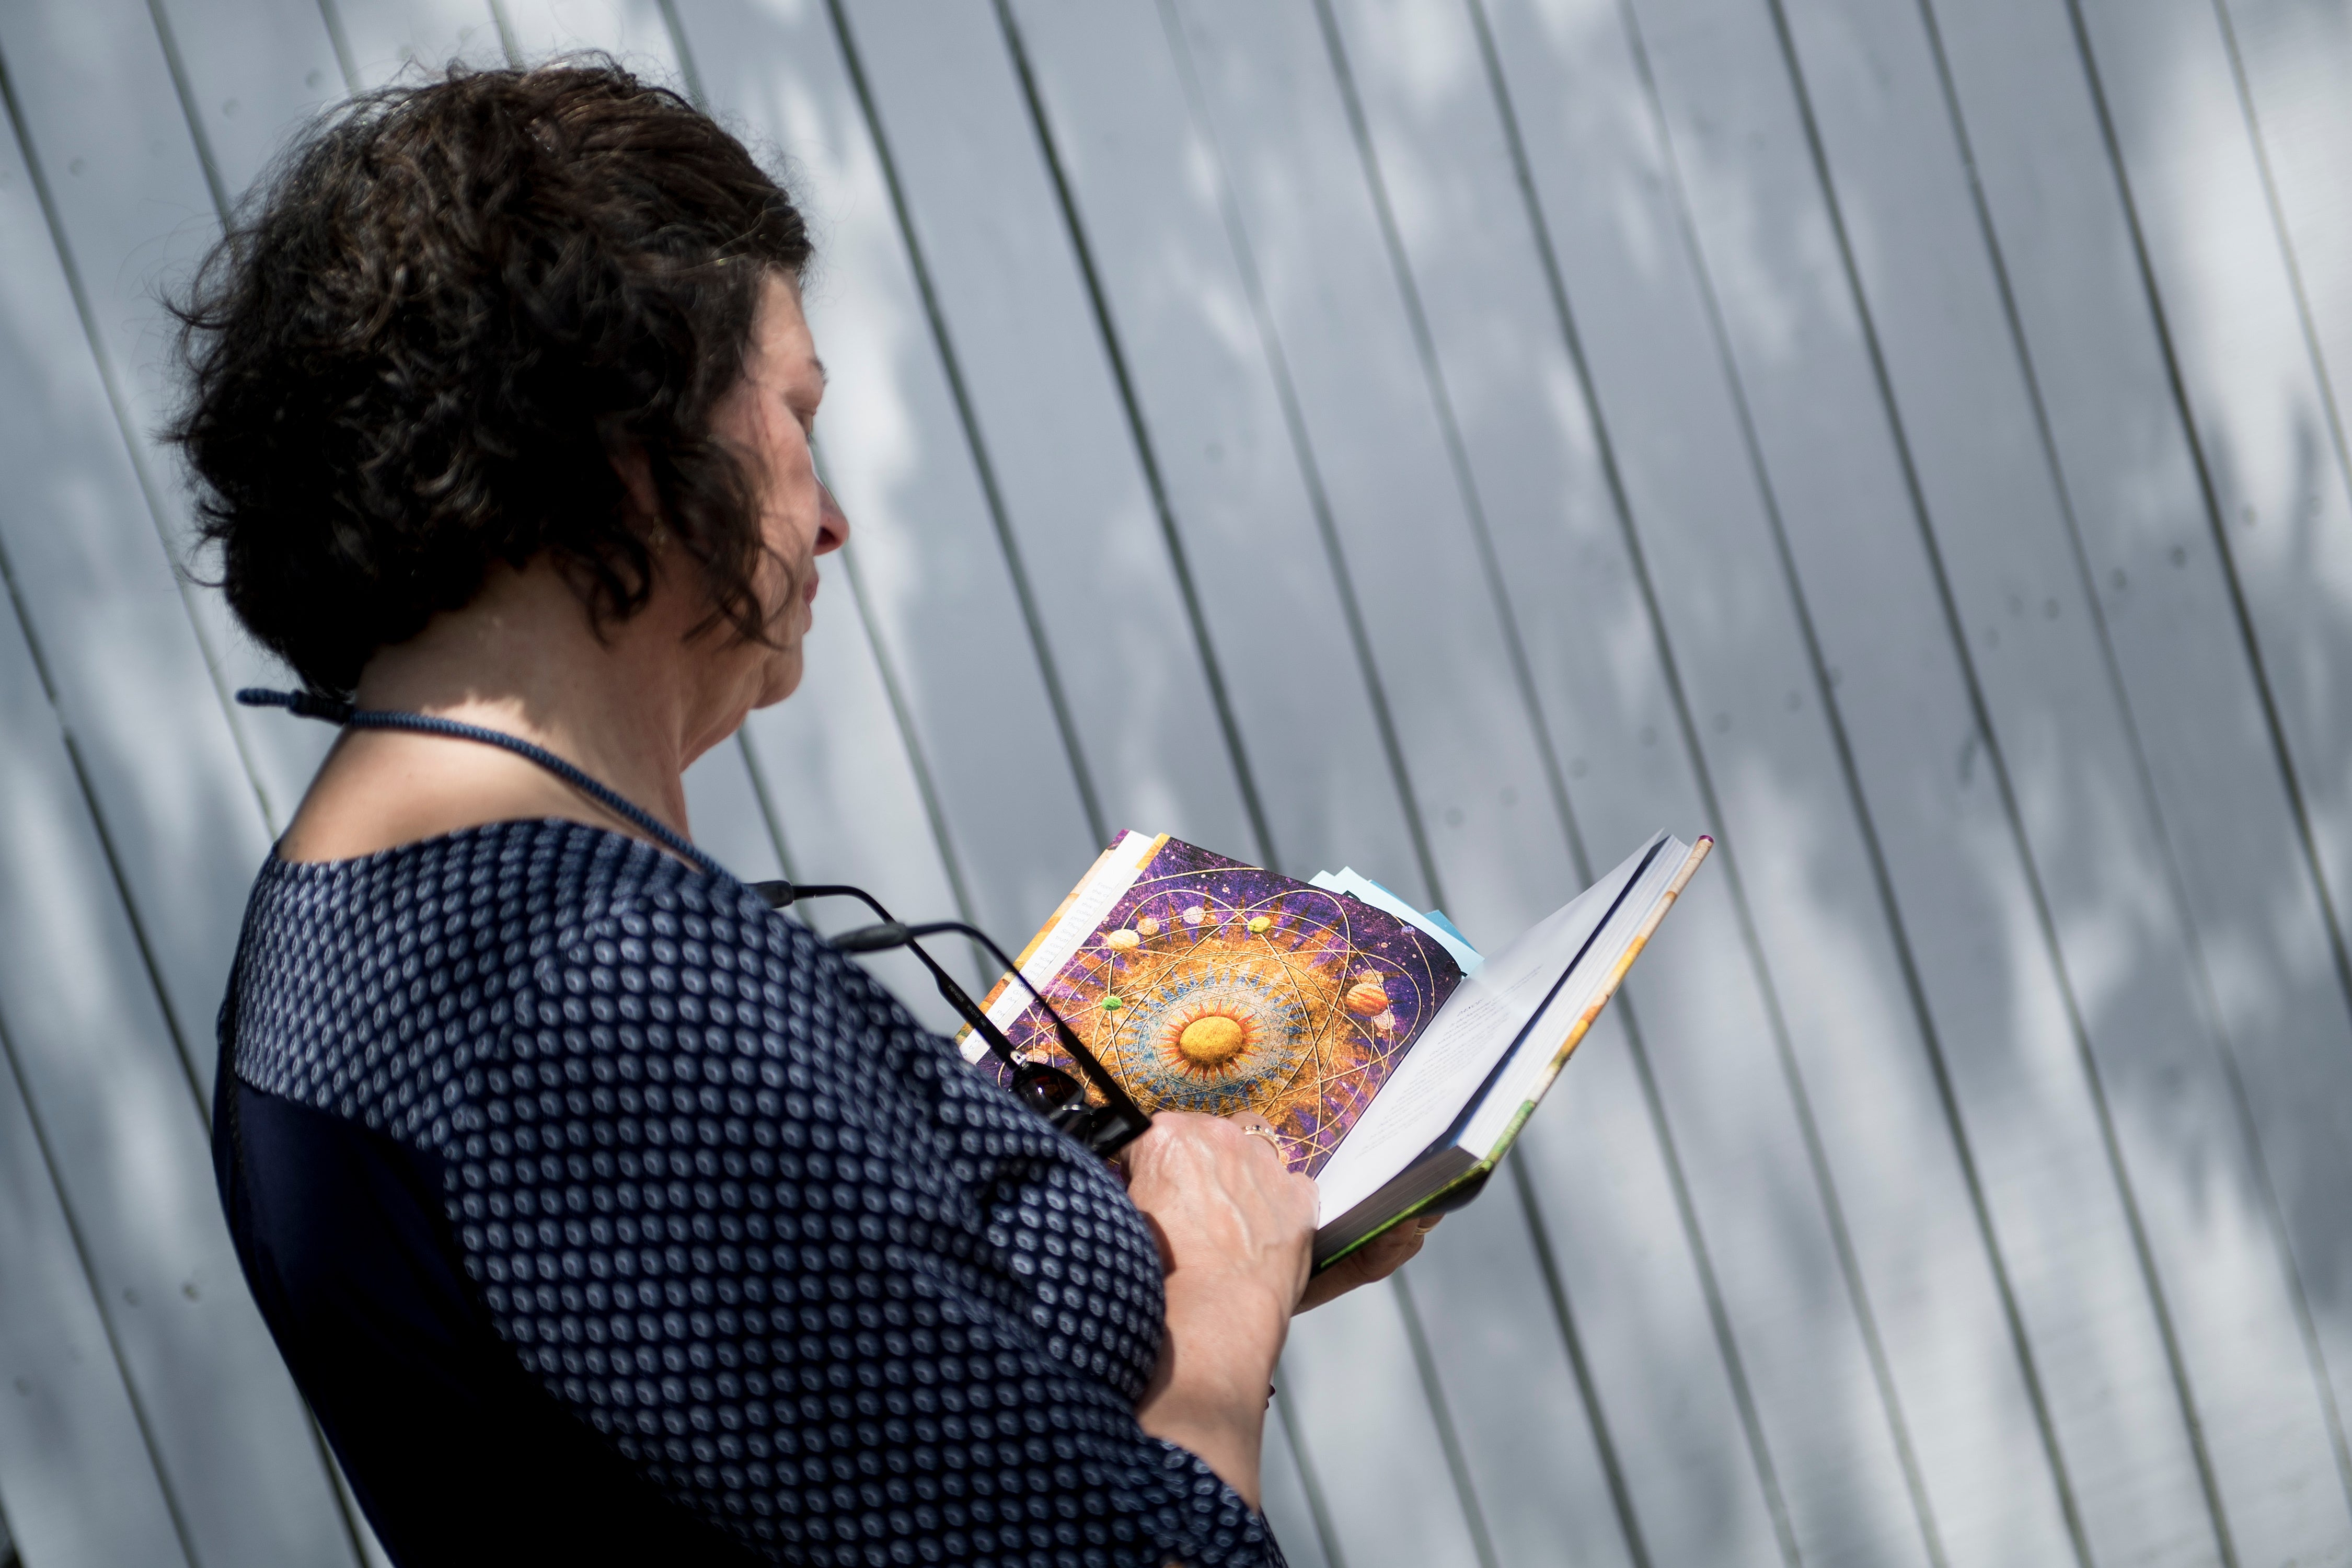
[1268,1135]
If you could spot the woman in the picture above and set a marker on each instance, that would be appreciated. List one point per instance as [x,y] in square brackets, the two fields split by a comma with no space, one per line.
[601,1214]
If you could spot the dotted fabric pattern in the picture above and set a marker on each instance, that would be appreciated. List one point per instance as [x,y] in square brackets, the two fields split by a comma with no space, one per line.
[818,1281]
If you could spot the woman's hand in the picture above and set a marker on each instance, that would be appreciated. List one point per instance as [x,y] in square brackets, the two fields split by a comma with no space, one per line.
[1376,1260]
[1235,1229]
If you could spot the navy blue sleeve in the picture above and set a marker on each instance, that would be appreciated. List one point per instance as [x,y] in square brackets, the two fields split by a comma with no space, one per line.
[819,1283]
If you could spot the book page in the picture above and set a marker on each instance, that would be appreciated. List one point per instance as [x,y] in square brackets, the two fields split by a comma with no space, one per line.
[1486,1016]
[1572,1007]
[1073,922]
[1347,881]
[1209,985]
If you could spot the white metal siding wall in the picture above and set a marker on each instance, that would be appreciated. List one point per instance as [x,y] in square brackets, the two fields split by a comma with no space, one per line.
[1451,437]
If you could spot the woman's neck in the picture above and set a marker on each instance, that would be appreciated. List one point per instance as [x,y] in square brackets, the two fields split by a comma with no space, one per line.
[629,709]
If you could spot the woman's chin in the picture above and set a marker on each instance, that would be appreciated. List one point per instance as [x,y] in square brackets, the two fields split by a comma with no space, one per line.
[782,678]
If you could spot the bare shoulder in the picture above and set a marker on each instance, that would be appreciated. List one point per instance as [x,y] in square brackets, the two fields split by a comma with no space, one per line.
[380,789]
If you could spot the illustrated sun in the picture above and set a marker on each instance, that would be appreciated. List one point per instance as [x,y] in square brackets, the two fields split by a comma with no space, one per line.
[1205,1040]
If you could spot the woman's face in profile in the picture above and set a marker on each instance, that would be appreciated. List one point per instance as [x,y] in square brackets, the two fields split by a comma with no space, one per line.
[768,418]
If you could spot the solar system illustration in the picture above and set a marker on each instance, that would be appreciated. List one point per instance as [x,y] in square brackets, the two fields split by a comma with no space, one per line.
[1214,987]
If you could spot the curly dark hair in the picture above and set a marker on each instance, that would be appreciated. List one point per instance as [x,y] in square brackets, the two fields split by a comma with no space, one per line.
[412,352]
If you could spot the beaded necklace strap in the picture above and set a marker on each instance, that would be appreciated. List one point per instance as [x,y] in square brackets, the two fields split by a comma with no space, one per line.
[334,711]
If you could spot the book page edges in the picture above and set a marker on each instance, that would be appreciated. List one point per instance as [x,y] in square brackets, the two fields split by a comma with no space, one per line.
[1477,1173]
[1648,928]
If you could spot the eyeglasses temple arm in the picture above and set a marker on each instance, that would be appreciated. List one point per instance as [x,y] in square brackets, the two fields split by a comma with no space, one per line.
[1113,1094]
[952,993]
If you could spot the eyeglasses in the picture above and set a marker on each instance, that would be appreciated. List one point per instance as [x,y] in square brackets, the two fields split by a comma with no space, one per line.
[1103,1128]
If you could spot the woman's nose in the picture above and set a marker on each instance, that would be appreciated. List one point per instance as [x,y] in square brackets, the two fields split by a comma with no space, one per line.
[832,522]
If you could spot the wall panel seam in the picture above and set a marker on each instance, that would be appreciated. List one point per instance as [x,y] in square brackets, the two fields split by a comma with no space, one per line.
[339,41]
[1303,450]
[1146,453]
[2277,208]
[1449,1437]
[688,71]
[1996,756]
[1449,428]
[178,69]
[1318,1510]
[1563,1312]
[2289,778]
[983,467]
[98,1293]
[82,780]
[1881,877]
[2176,879]
[1466,481]
[1703,780]
[133,445]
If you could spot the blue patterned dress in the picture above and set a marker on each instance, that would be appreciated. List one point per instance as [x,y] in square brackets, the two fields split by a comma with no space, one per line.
[605,1216]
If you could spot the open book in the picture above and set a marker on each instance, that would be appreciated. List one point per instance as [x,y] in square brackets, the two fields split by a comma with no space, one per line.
[1396,1063]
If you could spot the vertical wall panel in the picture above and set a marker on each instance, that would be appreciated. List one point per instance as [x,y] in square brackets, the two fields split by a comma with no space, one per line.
[79,986]
[933,580]
[1048,414]
[92,91]
[69,1431]
[2130,474]
[1754,691]
[1288,1504]
[2266,428]
[1527,1435]
[2079,781]
[1144,183]
[1366,1422]
[1899,1197]
[1332,314]
[139,205]
[1970,909]
[2292,59]
[1605,1197]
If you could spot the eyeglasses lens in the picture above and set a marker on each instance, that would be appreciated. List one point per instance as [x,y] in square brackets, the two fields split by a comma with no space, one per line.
[1042,1087]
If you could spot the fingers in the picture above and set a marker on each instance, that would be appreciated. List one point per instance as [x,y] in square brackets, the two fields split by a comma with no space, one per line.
[1376,1260]
[1185,1151]
[1258,1129]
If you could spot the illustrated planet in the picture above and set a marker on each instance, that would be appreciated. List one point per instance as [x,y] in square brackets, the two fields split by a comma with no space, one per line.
[1366,998]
